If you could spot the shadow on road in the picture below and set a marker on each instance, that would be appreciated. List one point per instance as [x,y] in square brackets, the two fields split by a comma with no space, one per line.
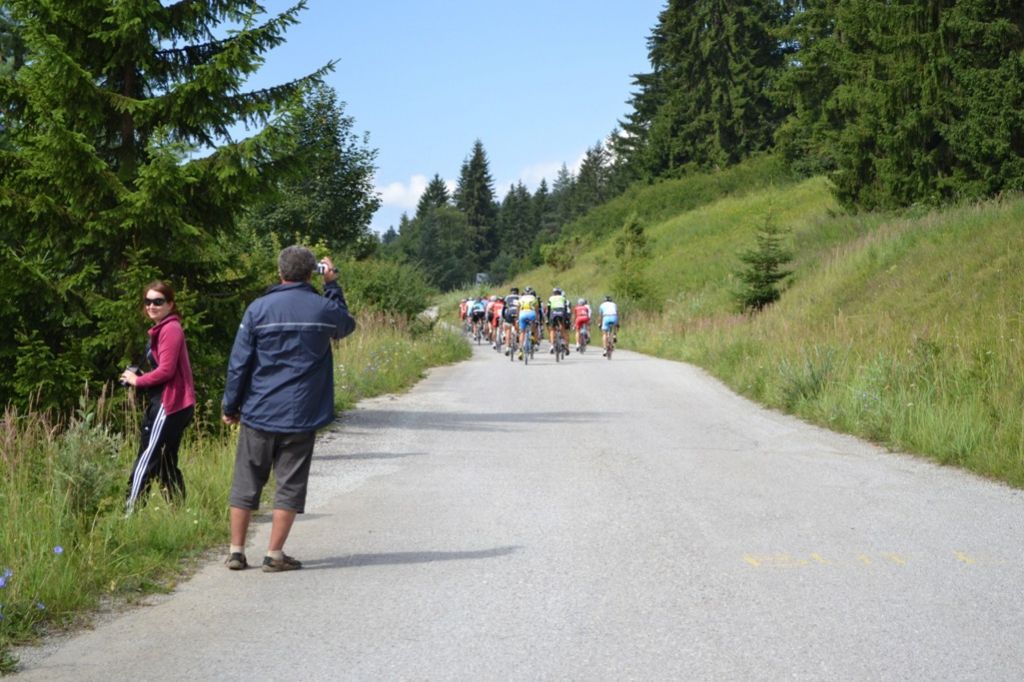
[398,558]
[462,421]
[368,455]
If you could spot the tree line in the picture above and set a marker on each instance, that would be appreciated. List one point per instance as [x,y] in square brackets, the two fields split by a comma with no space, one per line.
[898,101]
[454,235]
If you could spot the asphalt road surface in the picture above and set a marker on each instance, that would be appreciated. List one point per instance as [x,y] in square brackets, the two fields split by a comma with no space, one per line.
[596,520]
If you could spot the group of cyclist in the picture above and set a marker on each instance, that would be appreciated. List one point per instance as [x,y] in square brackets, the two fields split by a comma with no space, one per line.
[498,318]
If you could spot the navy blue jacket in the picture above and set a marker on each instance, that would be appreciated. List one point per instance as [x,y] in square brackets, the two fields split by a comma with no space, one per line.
[281,374]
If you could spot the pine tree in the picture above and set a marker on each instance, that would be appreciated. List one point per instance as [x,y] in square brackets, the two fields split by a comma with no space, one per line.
[516,222]
[807,138]
[706,103]
[474,196]
[127,172]
[592,187]
[764,271]
[442,253]
[434,196]
[632,251]
[929,106]
[562,191]
[545,216]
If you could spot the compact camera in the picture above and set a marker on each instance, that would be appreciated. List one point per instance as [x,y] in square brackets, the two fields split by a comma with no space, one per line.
[134,370]
[322,268]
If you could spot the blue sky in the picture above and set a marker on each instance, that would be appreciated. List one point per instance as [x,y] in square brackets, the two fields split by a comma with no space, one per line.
[536,82]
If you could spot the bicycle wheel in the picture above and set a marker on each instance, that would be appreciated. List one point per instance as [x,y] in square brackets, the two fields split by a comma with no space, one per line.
[527,350]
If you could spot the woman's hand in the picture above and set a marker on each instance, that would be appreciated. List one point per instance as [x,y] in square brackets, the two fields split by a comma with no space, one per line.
[128,377]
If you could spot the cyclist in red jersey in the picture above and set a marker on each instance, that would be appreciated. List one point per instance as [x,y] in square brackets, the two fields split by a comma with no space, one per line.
[581,318]
[497,307]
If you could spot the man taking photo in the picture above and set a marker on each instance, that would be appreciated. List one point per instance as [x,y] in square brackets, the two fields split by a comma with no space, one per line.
[280,387]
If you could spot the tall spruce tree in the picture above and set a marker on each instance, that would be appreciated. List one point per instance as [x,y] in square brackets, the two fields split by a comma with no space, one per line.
[474,196]
[441,250]
[516,222]
[592,187]
[807,138]
[929,105]
[562,197]
[122,168]
[544,216]
[706,103]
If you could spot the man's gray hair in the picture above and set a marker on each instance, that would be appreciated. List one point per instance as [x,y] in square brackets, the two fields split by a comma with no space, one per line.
[296,263]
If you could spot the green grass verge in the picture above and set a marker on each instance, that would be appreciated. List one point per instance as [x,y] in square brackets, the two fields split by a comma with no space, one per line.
[66,543]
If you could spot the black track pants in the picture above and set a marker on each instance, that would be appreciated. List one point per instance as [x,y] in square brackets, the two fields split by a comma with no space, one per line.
[158,453]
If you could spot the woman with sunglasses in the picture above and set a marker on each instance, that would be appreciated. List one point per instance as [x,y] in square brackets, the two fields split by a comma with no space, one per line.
[171,398]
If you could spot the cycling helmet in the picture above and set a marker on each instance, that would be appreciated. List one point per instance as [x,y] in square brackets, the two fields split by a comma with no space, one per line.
[515,290]
[556,291]
[494,298]
[607,297]
[529,290]
[582,301]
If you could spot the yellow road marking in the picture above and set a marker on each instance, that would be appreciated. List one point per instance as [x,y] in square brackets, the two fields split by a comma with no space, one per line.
[960,556]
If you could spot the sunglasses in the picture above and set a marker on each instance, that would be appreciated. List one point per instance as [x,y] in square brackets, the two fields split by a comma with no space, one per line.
[154,301]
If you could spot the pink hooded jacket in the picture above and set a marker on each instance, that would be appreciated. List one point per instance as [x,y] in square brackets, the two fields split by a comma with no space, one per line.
[173,371]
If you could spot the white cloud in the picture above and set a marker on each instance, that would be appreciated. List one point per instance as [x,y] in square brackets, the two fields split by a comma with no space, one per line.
[403,195]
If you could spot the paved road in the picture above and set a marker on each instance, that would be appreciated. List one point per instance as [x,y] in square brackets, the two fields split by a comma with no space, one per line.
[594,520]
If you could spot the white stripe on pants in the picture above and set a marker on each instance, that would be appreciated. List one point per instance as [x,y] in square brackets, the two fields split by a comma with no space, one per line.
[155,440]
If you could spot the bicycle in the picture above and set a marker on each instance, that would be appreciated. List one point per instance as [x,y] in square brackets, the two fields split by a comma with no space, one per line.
[559,344]
[584,336]
[527,348]
[478,332]
[609,343]
[513,344]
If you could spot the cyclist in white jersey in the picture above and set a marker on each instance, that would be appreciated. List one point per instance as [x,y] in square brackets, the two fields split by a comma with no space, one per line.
[609,320]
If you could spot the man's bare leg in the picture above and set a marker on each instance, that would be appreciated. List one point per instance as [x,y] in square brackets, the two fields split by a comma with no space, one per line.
[280,528]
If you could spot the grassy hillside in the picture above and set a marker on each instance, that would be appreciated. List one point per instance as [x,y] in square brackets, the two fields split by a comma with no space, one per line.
[904,329]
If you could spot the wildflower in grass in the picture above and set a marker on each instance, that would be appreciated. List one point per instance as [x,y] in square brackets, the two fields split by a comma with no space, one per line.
[41,606]
[58,550]
[3,582]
